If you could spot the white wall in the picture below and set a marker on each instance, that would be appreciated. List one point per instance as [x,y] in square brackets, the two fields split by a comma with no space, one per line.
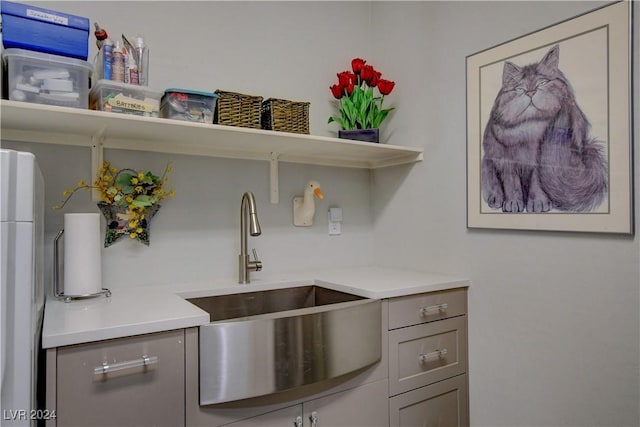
[553,317]
[285,50]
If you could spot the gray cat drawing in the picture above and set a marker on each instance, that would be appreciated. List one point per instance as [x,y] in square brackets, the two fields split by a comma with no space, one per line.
[538,154]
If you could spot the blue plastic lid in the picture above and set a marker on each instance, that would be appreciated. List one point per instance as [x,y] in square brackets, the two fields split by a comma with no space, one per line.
[45,15]
[190,92]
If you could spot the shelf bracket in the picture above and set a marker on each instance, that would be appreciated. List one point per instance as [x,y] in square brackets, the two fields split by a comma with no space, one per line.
[274,179]
[97,158]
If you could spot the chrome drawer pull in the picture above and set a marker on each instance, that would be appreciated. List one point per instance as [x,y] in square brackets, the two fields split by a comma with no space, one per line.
[433,308]
[437,354]
[107,369]
[314,419]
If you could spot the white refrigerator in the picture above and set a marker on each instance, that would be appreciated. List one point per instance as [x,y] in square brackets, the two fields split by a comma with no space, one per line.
[22,297]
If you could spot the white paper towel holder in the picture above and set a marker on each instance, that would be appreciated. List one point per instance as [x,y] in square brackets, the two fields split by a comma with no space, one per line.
[56,277]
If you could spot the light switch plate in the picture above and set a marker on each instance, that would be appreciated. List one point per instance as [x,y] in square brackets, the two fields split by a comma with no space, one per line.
[335,214]
[335,221]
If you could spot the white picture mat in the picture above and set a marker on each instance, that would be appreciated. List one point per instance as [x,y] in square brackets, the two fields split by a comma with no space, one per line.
[600,74]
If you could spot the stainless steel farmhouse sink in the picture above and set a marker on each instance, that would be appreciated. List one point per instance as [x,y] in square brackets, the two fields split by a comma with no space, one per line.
[264,342]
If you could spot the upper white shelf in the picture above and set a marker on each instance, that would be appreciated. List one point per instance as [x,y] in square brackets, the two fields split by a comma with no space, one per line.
[71,126]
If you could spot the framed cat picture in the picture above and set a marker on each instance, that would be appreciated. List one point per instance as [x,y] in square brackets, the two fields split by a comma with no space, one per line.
[549,128]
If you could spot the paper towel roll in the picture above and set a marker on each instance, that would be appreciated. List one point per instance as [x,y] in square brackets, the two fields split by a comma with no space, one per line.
[82,262]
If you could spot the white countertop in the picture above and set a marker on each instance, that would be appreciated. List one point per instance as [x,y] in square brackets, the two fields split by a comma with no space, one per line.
[142,310]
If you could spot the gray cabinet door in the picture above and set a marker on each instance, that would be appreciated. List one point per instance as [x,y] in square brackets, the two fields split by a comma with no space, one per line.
[367,405]
[286,417]
[130,393]
[443,404]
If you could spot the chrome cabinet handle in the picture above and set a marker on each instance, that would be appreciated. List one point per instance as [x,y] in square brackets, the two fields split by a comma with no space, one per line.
[314,419]
[424,311]
[437,354]
[106,368]
[298,422]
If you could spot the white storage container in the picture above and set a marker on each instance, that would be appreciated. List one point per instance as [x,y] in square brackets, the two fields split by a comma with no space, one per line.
[43,78]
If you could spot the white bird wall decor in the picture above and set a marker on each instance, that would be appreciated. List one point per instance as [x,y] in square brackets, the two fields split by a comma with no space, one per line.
[304,207]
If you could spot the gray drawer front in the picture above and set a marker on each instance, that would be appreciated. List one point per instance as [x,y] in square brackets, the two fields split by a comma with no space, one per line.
[151,395]
[423,354]
[443,404]
[416,309]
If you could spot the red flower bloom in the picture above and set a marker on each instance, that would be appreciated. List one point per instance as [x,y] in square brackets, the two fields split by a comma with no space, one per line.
[346,77]
[336,90]
[373,81]
[367,72]
[385,86]
[350,88]
[357,64]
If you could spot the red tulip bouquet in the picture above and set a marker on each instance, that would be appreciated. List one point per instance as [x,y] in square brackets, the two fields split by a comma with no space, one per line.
[359,108]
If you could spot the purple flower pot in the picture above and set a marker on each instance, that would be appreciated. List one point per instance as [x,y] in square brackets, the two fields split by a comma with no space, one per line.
[366,135]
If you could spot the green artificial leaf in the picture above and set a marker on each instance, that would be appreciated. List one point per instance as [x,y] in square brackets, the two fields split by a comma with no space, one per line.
[349,110]
[344,124]
[127,189]
[149,178]
[124,179]
[362,114]
[382,115]
[341,121]
[355,96]
[343,118]
[370,94]
[142,201]
[373,116]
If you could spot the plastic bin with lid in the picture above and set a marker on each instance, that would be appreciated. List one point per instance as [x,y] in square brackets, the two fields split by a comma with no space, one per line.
[43,78]
[44,30]
[188,105]
[116,97]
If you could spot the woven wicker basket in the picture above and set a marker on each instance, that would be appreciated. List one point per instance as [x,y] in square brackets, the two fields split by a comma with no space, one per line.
[285,116]
[237,109]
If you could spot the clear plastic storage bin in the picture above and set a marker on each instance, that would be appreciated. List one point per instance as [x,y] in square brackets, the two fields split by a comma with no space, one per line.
[43,78]
[108,95]
[188,105]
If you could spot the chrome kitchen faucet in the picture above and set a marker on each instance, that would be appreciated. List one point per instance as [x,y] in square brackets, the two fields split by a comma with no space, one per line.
[248,211]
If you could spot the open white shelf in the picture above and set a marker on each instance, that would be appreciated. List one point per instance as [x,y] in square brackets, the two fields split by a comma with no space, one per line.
[98,130]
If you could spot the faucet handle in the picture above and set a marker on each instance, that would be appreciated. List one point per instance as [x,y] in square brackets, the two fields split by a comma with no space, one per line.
[257,265]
